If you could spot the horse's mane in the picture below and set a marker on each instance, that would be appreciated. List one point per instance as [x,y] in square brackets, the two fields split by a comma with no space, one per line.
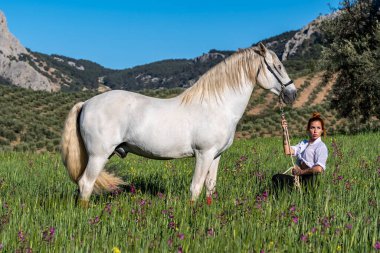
[228,73]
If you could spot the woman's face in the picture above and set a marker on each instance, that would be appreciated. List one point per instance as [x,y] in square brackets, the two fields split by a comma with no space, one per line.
[315,130]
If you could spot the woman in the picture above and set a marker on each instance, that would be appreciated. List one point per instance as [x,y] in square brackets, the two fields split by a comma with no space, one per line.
[311,154]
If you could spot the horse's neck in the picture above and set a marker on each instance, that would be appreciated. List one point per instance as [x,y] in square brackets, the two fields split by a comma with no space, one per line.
[235,101]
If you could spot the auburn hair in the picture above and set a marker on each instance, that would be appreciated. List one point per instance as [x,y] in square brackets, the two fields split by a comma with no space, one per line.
[316,117]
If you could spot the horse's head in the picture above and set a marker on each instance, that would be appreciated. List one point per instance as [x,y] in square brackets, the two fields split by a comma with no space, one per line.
[272,75]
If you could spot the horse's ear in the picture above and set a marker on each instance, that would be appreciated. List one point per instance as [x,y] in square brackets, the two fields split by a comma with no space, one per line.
[261,49]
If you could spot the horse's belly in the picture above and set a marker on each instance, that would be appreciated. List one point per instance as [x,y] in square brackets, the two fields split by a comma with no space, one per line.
[159,144]
[159,151]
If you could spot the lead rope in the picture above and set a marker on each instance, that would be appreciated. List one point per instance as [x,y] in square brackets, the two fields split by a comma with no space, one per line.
[286,132]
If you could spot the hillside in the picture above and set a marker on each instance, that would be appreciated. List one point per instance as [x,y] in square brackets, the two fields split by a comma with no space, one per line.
[33,120]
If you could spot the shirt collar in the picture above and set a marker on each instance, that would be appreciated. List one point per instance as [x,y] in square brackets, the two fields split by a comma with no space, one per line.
[316,141]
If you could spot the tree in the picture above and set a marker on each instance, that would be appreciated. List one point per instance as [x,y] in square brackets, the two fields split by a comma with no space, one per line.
[352,51]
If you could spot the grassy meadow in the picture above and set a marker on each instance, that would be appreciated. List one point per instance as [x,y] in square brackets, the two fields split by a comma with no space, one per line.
[153,214]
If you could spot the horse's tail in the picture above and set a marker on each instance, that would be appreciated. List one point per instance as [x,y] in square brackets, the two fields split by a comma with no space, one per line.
[107,182]
[75,157]
[73,152]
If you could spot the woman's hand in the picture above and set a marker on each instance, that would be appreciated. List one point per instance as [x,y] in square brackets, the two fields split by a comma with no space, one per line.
[297,171]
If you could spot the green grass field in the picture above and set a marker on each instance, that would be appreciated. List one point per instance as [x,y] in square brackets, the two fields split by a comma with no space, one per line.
[153,213]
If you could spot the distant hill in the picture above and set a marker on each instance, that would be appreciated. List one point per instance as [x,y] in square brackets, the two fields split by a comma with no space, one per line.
[299,50]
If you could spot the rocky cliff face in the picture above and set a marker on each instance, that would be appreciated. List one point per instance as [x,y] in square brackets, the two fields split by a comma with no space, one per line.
[15,64]
[306,33]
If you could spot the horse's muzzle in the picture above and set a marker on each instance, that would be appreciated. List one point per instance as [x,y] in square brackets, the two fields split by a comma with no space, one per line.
[289,95]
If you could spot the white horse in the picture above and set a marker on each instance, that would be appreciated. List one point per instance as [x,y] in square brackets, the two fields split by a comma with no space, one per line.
[200,122]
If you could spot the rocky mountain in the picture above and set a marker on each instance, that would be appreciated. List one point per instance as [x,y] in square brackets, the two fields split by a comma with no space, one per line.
[22,67]
[15,67]
[309,35]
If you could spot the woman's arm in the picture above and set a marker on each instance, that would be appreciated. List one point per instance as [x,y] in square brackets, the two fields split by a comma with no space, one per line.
[300,172]
[287,148]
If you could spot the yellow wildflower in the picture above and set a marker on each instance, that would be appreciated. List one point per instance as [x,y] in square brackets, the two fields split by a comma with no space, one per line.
[116,250]
[338,248]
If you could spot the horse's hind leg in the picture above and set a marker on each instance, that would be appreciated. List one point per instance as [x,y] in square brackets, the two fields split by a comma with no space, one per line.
[210,182]
[86,182]
[203,163]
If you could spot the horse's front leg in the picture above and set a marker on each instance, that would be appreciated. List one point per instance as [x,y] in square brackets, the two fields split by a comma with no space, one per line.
[203,164]
[210,182]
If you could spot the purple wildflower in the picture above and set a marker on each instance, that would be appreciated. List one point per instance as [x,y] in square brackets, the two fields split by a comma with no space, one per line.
[1,246]
[325,222]
[259,198]
[94,221]
[304,238]
[142,202]
[170,242]
[108,208]
[181,236]
[292,208]
[133,189]
[313,230]
[48,234]
[349,226]
[295,219]
[160,195]
[28,250]
[264,196]
[172,225]
[377,245]
[21,236]
[116,191]
[164,211]
[243,158]
[210,232]
[179,249]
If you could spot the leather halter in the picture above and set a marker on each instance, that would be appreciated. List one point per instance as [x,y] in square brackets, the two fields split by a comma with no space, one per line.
[283,85]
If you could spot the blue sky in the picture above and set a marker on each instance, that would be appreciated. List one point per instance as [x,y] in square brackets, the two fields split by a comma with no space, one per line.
[120,33]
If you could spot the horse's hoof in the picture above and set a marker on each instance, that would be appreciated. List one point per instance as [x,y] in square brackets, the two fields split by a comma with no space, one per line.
[84,203]
[209,200]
